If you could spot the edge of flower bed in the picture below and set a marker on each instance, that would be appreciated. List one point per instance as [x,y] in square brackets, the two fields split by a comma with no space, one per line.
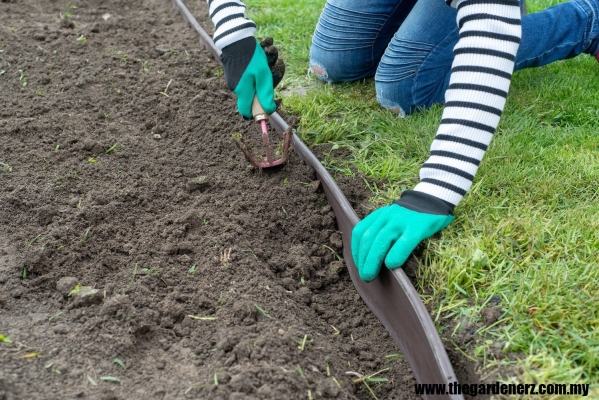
[391,297]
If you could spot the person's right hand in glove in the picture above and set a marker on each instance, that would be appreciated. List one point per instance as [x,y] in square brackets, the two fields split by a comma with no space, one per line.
[391,233]
[248,74]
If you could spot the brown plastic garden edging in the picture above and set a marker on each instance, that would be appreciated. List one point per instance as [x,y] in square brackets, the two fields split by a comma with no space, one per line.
[391,297]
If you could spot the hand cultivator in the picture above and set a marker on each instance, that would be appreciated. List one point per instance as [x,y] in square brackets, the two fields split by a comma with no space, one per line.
[277,68]
[262,117]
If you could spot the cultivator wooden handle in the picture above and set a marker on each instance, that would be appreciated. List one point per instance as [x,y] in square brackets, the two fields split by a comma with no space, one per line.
[257,111]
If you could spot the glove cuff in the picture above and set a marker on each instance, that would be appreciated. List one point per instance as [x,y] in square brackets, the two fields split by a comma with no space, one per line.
[235,58]
[240,48]
[424,203]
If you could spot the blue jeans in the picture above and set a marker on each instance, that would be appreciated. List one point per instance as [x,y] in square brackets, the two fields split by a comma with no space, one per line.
[407,45]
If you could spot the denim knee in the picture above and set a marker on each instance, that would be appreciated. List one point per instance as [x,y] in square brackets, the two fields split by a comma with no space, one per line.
[320,67]
[345,46]
[389,96]
[338,66]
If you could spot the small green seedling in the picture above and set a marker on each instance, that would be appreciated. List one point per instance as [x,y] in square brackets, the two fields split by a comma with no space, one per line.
[23,78]
[6,166]
[85,235]
[145,67]
[92,160]
[369,379]
[150,271]
[32,354]
[119,362]
[134,273]
[92,381]
[56,315]
[38,92]
[67,14]
[166,89]
[192,270]
[4,339]
[303,342]
[57,147]
[225,256]
[301,372]
[111,379]
[35,239]
[76,290]
[335,254]
[202,318]
[392,357]
[112,148]
[262,311]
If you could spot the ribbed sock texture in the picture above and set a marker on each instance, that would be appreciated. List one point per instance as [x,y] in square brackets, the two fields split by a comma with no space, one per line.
[230,22]
[490,33]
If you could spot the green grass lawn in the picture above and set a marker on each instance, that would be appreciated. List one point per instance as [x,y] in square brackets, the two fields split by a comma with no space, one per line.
[528,230]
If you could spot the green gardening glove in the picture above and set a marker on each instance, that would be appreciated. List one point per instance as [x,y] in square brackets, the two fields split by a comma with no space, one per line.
[248,75]
[391,233]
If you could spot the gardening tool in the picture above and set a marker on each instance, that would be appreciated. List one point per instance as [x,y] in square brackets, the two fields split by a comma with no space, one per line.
[277,68]
[262,117]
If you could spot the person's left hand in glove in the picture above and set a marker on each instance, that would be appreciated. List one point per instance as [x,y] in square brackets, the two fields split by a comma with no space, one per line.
[248,74]
[391,233]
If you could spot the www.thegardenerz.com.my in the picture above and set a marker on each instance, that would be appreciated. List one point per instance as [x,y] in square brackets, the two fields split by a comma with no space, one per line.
[574,389]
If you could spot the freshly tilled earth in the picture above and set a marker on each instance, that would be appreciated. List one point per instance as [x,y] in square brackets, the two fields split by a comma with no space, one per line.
[140,255]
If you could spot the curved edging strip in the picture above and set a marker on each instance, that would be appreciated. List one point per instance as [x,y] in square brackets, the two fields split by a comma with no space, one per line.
[391,297]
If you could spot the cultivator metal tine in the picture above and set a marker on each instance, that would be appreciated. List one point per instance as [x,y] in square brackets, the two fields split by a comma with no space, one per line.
[267,149]
[270,161]
[262,117]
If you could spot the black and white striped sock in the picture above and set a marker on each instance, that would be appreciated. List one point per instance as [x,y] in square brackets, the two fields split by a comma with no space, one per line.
[490,33]
[230,23]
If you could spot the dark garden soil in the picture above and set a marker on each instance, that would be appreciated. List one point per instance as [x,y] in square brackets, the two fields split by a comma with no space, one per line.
[140,255]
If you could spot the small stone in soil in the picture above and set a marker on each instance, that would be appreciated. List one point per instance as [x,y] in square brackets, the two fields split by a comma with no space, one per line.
[66,284]
[162,49]
[87,297]
[197,184]
[336,241]
[315,186]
